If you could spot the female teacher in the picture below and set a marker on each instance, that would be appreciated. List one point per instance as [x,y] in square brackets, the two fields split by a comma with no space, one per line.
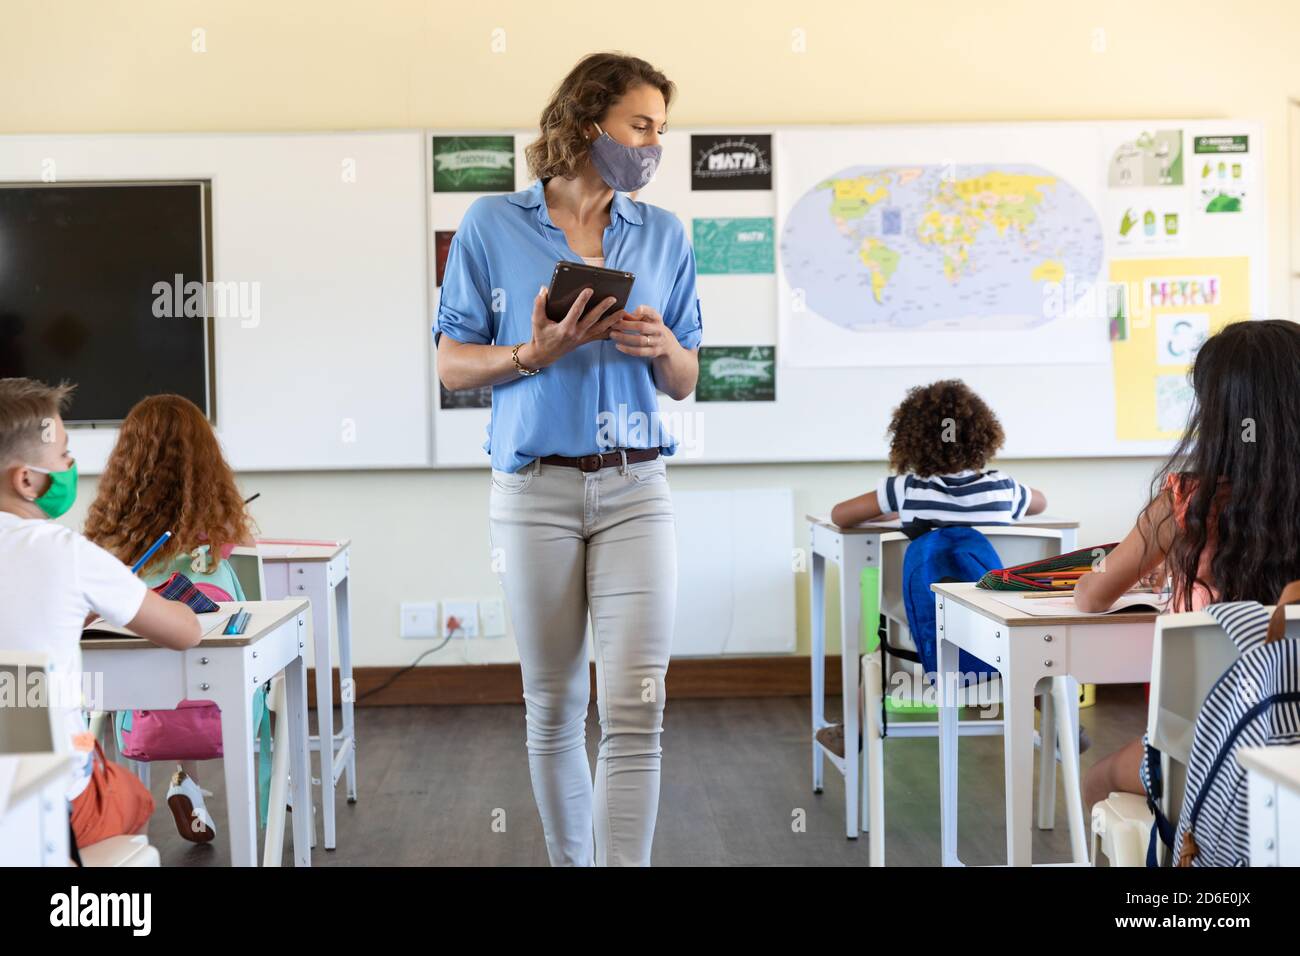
[580,516]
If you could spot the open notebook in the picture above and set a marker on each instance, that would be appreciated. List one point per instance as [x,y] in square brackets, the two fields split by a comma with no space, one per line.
[1135,602]
[98,630]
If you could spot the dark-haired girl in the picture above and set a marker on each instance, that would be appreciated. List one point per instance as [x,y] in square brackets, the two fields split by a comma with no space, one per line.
[1223,521]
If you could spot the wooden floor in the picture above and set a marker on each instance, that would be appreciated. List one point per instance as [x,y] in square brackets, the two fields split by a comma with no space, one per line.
[736,774]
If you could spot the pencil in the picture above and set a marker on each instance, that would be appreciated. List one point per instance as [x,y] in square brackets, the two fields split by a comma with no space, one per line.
[149,554]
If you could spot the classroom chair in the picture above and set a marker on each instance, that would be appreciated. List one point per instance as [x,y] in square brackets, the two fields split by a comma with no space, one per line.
[1121,827]
[1014,545]
[39,728]
[1189,655]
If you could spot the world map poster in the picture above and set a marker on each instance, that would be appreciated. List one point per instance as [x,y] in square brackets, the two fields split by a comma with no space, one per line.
[926,246]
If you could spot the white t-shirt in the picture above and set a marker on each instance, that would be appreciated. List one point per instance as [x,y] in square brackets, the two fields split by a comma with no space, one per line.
[52,578]
[594,260]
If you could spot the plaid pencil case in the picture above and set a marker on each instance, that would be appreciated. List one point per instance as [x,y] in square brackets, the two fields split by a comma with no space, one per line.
[1048,574]
[180,588]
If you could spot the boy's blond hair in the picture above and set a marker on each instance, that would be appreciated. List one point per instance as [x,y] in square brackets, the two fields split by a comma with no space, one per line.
[27,412]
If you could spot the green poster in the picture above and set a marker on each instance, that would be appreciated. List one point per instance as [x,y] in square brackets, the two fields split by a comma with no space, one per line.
[473,164]
[1221,144]
[733,246]
[737,373]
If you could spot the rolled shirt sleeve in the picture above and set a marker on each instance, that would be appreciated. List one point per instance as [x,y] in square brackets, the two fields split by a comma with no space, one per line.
[465,298]
[682,310]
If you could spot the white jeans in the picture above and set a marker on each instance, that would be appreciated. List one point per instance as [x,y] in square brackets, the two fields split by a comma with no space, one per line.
[564,542]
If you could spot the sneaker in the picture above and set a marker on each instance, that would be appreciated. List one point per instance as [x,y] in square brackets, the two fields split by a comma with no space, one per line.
[185,799]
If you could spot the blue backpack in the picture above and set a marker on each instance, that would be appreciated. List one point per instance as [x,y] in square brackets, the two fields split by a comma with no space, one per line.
[942,554]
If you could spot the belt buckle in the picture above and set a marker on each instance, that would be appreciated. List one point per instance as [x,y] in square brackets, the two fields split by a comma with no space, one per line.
[589,463]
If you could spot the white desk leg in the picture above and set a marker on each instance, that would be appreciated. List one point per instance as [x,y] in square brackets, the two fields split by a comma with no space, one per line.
[322,612]
[818,656]
[233,694]
[1018,751]
[273,840]
[850,648]
[948,661]
[295,711]
[1047,732]
[1066,692]
[348,690]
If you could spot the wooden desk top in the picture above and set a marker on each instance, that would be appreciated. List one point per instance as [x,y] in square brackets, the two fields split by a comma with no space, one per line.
[266,617]
[1279,764]
[876,526]
[273,551]
[987,605]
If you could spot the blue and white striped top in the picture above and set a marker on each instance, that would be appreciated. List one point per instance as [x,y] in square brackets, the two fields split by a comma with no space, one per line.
[966,498]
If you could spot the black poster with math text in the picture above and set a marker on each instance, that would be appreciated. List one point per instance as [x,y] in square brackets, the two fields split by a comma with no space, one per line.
[731,161]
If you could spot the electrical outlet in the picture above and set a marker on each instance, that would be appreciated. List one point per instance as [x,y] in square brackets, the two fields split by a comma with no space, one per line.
[466,612]
[493,613]
[419,620]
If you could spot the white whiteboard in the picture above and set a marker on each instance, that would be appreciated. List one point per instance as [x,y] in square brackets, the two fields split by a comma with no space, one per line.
[334,372]
[339,371]
[735,583]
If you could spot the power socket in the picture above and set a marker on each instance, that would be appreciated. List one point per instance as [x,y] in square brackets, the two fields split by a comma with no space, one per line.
[493,613]
[419,620]
[466,612]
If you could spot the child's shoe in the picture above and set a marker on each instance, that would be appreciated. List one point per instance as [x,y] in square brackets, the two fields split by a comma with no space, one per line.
[185,798]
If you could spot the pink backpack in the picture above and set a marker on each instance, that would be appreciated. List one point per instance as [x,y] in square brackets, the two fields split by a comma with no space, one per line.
[190,732]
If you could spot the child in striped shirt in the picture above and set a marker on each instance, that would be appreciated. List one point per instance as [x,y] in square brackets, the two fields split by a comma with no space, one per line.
[941,437]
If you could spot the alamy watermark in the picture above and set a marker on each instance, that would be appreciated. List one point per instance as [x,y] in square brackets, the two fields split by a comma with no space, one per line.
[220,300]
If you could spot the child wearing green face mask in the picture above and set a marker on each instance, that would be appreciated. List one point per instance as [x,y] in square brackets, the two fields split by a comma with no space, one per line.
[55,581]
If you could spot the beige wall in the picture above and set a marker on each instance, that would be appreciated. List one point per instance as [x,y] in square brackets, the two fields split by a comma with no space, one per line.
[89,66]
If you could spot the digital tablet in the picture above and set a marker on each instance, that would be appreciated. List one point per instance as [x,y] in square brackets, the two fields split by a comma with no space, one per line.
[570,278]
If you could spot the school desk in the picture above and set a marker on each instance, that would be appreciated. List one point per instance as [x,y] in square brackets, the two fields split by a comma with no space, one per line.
[851,550]
[1026,649]
[226,670]
[1274,801]
[319,571]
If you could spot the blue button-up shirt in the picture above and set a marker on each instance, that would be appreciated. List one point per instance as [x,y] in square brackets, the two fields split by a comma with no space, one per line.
[595,398]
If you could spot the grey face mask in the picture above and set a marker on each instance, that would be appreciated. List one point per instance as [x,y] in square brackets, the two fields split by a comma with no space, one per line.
[624,168]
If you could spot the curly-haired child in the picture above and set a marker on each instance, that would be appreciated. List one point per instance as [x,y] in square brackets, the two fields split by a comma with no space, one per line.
[167,473]
[942,436]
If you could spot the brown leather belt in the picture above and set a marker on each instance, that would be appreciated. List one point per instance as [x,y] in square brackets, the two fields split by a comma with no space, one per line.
[608,460]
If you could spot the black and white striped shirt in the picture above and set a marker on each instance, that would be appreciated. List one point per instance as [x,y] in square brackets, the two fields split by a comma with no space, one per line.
[967,498]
